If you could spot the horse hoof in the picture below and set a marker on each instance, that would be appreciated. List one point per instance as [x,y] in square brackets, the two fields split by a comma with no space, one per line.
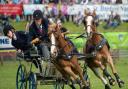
[112,82]
[107,86]
[86,87]
[120,83]
[72,86]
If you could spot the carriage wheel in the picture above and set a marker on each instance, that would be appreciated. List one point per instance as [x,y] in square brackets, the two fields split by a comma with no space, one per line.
[32,81]
[21,77]
[59,84]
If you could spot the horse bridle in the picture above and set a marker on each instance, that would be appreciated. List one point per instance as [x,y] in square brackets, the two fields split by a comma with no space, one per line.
[60,51]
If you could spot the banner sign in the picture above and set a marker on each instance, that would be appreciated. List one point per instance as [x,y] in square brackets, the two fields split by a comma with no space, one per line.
[103,11]
[29,9]
[10,9]
[5,43]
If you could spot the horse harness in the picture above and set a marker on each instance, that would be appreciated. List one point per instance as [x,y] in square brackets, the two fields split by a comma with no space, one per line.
[66,56]
[98,46]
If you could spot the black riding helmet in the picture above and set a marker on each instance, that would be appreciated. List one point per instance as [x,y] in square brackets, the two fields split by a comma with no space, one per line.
[37,14]
[8,28]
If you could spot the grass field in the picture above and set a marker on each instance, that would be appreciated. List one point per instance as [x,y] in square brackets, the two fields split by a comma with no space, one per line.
[8,76]
[78,29]
[8,71]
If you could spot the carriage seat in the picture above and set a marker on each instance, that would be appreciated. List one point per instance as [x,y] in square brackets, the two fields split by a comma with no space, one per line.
[28,55]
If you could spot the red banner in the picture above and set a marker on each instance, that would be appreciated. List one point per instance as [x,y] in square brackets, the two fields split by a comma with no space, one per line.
[11,9]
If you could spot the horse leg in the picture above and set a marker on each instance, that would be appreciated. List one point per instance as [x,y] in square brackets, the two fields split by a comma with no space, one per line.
[60,70]
[103,67]
[111,80]
[119,81]
[64,75]
[109,77]
[97,73]
[79,70]
[69,71]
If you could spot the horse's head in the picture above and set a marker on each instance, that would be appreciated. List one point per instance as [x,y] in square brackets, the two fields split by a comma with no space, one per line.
[54,34]
[89,23]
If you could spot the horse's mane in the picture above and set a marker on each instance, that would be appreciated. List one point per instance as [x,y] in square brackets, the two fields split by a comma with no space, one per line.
[60,40]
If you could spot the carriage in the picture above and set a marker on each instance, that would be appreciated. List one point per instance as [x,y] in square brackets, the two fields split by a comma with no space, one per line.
[45,73]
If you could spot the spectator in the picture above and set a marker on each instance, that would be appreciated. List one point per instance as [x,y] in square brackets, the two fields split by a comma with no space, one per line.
[54,11]
[106,1]
[56,1]
[17,18]
[113,21]
[118,1]
[5,20]
[37,2]
[16,1]
[9,2]
[46,12]
[84,2]
[61,16]
[117,19]
[110,20]
[64,11]
[2,2]
[78,18]
[24,2]
[96,18]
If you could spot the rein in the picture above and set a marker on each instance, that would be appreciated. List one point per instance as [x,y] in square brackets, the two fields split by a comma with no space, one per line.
[69,53]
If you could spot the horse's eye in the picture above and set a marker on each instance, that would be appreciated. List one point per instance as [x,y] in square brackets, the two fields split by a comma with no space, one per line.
[93,22]
[84,22]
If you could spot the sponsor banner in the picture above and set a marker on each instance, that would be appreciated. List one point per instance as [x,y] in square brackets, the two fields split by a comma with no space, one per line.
[29,9]
[5,43]
[103,11]
[11,9]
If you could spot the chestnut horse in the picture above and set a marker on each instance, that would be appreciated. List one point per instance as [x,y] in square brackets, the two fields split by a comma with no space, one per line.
[98,46]
[64,59]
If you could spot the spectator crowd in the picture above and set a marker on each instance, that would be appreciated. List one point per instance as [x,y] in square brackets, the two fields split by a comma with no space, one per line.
[59,11]
[64,1]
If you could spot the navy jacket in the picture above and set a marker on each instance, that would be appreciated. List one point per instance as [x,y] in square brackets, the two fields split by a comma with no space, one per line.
[34,31]
[22,41]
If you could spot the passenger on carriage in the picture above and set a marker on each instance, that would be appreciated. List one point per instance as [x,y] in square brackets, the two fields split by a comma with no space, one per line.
[39,29]
[20,39]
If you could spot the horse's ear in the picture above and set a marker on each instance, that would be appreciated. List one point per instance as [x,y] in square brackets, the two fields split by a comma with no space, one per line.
[85,12]
[94,12]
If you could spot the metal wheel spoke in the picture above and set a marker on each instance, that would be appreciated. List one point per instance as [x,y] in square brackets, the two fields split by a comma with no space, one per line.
[21,86]
[20,79]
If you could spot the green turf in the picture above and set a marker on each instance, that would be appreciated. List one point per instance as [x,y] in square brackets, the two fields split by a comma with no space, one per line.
[8,75]
[78,29]
[8,71]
